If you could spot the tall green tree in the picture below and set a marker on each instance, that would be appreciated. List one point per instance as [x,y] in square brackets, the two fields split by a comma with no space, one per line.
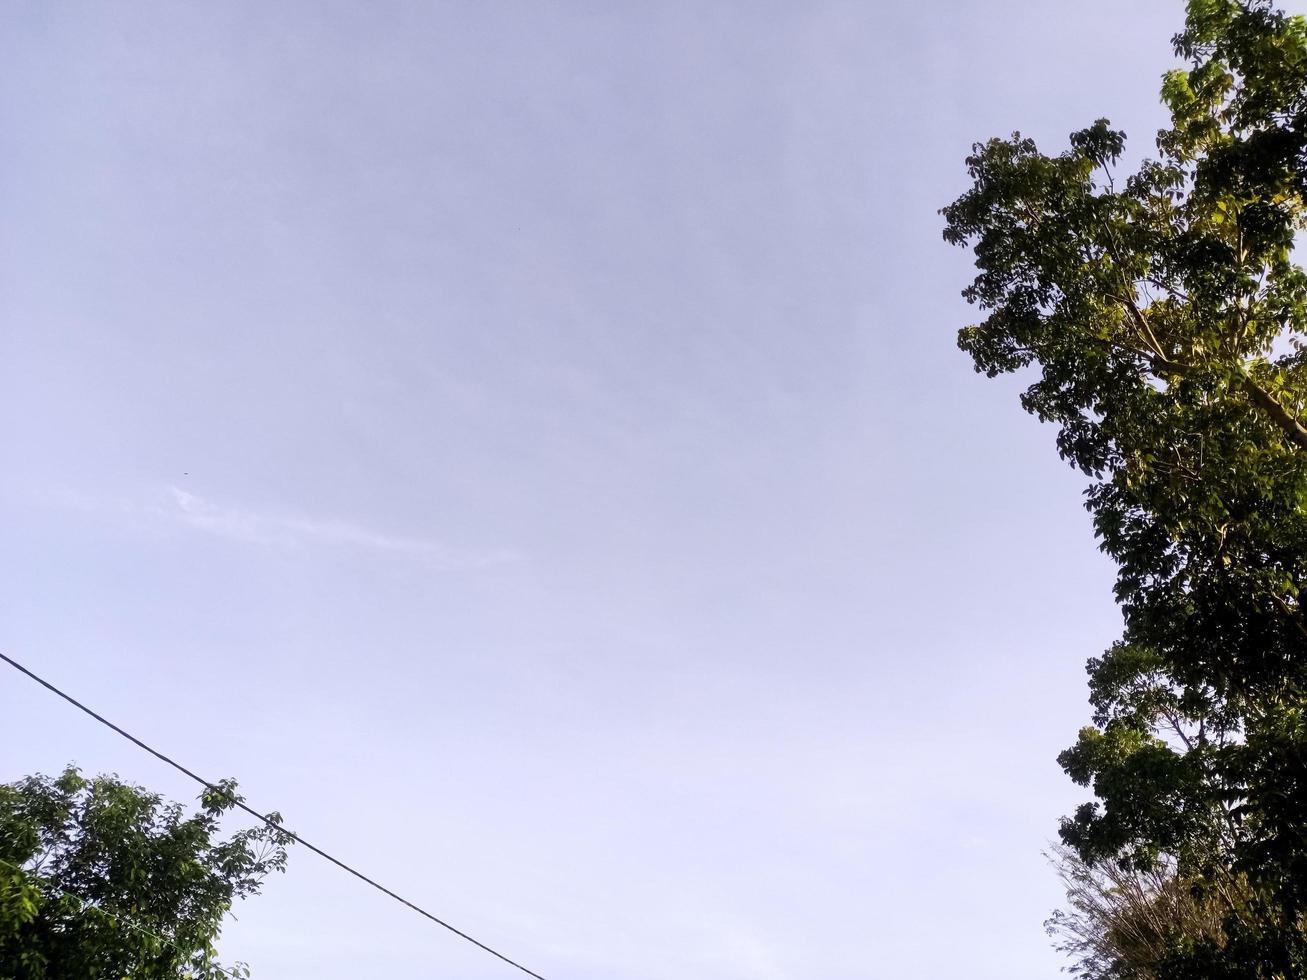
[1162,319]
[100,879]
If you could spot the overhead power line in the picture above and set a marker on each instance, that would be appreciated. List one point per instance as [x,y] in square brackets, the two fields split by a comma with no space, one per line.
[274,825]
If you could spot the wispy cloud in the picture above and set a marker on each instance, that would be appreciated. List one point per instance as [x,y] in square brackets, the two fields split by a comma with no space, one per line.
[266,528]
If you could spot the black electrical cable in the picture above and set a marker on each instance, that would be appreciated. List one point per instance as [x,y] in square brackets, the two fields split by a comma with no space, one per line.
[260,817]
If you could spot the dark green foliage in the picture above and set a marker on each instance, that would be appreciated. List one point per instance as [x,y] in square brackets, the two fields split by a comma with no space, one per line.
[101,880]
[1163,318]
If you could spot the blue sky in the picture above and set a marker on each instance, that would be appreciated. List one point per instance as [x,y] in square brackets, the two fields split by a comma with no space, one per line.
[525,445]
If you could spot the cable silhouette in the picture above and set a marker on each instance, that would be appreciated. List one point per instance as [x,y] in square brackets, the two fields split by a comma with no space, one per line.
[274,825]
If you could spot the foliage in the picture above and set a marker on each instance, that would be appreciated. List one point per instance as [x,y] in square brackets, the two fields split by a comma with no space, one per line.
[1124,923]
[1163,318]
[101,879]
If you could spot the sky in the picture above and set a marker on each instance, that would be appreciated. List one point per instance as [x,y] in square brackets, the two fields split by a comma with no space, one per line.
[525,444]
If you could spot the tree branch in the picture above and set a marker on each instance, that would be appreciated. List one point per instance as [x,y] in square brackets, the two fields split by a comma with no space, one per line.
[1261,398]
[1290,613]
[1278,414]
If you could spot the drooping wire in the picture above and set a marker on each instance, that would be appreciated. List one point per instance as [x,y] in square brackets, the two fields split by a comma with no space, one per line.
[270,823]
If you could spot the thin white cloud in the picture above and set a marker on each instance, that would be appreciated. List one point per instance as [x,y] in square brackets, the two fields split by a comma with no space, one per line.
[287,529]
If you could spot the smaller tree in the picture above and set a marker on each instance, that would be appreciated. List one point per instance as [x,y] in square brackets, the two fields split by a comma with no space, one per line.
[102,879]
[1129,923]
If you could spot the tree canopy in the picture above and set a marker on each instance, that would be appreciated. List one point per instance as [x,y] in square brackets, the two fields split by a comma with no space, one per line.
[101,879]
[1162,317]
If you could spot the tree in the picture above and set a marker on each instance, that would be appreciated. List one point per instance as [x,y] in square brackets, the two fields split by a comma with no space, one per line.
[1163,318]
[101,879]
[1124,923]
